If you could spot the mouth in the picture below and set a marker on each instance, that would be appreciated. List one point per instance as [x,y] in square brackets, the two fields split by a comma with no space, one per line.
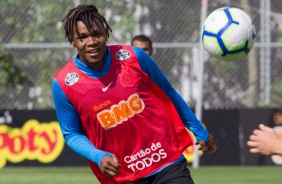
[93,52]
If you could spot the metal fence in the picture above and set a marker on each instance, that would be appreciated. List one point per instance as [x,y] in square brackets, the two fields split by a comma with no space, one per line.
[34,48]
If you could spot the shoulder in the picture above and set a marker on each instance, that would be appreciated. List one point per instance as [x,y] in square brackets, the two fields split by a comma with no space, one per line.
[65,68]
[138,51]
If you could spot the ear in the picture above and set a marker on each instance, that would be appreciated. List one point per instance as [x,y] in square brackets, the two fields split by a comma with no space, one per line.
[73,44]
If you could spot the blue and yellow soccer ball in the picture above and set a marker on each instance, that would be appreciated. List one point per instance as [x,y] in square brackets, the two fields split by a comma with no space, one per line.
[228,34]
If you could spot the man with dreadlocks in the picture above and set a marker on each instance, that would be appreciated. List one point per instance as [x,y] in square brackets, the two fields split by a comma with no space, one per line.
[117,109]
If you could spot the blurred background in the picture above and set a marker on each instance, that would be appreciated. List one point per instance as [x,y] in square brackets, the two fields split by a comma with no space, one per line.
[231,98]
[34,47]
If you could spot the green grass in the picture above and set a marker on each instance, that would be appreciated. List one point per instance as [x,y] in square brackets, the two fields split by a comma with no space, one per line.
[83,175]
[238,175]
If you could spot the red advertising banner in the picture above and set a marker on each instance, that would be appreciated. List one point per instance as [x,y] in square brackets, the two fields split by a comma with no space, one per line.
[24,136]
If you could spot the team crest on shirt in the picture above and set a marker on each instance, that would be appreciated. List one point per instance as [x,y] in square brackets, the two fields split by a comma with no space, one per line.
[71,78]
[123,54]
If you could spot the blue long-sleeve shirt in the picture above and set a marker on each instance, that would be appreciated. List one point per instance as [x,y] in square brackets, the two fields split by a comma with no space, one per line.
[70,123]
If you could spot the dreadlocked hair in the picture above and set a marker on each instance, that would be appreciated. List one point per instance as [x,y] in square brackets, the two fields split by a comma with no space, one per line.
[87,14]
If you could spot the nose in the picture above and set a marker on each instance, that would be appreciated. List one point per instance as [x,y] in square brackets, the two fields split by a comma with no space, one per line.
[91,40]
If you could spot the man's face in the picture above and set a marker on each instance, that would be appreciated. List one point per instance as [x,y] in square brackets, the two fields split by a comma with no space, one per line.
[277,118]
[91,48]
[143,45]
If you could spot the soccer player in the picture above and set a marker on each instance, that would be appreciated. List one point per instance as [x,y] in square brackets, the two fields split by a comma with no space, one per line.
[143,42]
[117,109]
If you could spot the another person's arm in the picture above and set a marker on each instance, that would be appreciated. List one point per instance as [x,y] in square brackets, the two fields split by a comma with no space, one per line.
[265,141]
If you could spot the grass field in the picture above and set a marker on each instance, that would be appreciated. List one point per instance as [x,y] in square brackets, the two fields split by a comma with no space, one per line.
[83,175]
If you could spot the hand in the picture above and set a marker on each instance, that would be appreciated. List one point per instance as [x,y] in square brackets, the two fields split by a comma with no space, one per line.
[210,147]
[110,166]
[265,141]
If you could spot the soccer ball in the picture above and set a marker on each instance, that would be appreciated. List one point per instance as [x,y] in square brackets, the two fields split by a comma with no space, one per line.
[228,34]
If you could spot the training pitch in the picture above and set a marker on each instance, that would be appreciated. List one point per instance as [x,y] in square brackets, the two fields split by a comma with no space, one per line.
[83,175]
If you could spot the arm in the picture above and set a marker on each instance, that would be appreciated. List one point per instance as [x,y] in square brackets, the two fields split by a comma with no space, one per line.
[265,141]
[188,118]
[71,128]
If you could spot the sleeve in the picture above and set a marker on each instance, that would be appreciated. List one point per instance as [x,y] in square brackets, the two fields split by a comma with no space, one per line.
[189,119]
[71,127]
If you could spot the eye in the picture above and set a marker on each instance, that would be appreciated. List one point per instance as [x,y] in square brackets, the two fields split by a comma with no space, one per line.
[81,38]
[97,35]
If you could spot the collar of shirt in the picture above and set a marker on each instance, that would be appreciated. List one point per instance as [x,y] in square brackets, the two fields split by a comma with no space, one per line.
[92,72]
